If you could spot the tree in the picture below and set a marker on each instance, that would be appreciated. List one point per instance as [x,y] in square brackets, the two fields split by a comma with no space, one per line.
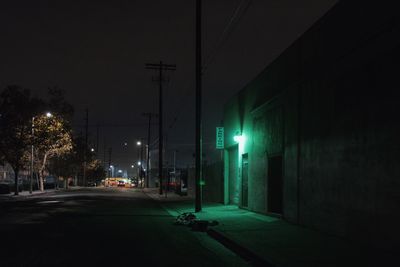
[95,171]
[52,138]
[16,109]
[67,165]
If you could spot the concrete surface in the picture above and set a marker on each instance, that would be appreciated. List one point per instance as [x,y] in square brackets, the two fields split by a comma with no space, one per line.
[280,243]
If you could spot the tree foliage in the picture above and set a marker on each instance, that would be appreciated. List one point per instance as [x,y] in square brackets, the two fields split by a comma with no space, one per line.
[51,138]
[95,171]
[16,109]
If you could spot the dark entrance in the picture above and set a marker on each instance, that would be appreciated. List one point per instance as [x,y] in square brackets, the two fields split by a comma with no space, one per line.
[245,180]
[275,184]
[233,176]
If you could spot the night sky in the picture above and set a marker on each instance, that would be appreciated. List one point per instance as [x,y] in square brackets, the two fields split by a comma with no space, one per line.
[96,51]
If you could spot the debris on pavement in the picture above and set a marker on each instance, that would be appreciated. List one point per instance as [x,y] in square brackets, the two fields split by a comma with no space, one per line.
[189,219]
[185,218]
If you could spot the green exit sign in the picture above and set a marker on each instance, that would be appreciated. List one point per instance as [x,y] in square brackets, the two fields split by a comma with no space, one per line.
[220,138]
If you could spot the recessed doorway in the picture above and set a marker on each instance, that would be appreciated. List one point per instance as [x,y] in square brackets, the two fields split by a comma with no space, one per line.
[275,184]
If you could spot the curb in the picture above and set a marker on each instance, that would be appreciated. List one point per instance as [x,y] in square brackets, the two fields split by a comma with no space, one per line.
[17,197]
[241,251]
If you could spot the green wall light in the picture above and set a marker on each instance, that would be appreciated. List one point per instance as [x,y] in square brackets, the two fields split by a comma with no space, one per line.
[238,138]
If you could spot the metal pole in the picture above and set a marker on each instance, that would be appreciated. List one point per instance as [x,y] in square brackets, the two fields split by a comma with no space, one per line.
[160,131]
[109,161]
[174,162]
[86,146]
[198,141]
[141,162]
[148,153]
[31,180]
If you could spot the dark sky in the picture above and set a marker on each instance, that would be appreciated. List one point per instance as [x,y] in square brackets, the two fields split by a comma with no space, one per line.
[96,51]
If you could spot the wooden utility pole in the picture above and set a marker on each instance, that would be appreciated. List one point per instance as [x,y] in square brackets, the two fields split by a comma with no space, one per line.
[149,115]
[160,67]
[198,141]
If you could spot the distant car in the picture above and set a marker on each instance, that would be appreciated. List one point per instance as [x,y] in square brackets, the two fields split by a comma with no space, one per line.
[129,185]
[121,183]
[7,186]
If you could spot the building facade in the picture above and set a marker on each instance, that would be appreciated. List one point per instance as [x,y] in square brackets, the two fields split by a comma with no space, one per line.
[314,137]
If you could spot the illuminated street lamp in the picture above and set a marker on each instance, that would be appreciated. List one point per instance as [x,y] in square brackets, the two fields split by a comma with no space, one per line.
[48,115]
[140,169]
[92,149]
[112,170]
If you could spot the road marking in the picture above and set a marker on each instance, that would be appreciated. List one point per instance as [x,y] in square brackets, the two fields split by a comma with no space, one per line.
[49,202]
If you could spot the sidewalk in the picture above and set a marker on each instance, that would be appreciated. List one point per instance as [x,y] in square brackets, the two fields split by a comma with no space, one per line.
[24,194]
[275,242]
[169,197]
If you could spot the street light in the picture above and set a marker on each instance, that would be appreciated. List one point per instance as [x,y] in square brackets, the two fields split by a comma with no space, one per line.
[140,169]
[92,149]
[48,115]
[112,170]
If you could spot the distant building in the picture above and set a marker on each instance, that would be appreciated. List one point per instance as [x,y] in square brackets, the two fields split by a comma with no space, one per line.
[315,137]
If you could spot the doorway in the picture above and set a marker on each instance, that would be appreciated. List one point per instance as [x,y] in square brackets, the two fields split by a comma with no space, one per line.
[275,184]
[233,176]
[245,180]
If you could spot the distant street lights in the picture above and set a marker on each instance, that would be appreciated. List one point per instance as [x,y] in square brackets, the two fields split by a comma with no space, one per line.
[140,169]
[48,115]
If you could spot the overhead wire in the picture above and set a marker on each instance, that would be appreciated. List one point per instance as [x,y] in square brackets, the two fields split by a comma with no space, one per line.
[233,21]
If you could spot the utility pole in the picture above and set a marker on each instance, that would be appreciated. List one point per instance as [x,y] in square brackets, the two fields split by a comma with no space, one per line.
[149,115]
[175,162]
[86,146]
[141,162]
[160,67]
[104,154]
[109,160]
[198,141]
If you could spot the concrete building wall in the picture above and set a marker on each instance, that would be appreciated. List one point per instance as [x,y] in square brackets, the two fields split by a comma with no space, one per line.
[213,179]
[328,105]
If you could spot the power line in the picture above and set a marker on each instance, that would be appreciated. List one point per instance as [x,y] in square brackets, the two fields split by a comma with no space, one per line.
[234,21]
[113,125]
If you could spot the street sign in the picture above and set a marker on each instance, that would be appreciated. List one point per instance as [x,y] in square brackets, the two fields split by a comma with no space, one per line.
[220,138]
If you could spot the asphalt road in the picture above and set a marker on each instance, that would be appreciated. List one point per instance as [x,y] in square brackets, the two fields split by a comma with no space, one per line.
[101,227]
